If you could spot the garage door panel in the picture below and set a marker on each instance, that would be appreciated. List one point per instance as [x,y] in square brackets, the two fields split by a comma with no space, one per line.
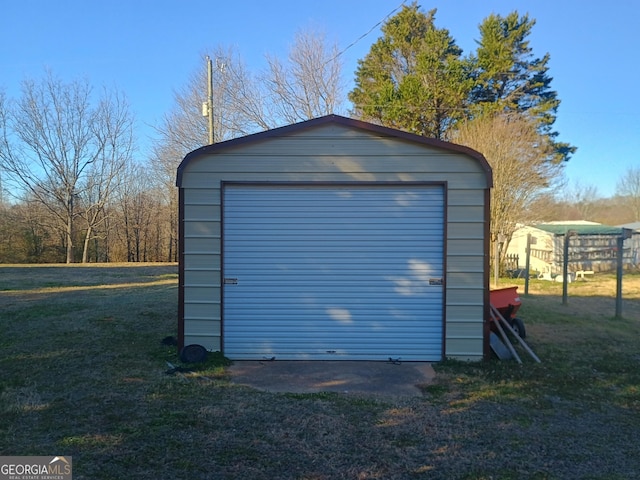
[362,267]
[269,302]
[321,213]
[348,336]
[353,287]
[345,272]
[365,266]
[387,317]
[328,298]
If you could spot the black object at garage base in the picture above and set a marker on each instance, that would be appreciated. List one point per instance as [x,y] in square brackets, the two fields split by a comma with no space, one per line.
[193,354]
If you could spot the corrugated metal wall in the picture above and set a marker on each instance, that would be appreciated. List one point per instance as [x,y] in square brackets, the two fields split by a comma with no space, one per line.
[349,272]
[336,153]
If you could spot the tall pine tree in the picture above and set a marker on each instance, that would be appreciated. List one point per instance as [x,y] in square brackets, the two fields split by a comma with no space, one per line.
[509,79]
[414,77]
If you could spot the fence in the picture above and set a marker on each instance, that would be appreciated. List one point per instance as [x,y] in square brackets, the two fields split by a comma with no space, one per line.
[510,262]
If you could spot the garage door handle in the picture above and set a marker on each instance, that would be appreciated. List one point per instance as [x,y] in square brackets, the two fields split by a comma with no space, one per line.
[230,281]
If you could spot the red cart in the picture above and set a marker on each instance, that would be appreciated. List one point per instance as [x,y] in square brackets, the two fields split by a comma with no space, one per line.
[507,301]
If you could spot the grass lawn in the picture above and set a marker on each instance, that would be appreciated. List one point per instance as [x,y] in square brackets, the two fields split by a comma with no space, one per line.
[83,372]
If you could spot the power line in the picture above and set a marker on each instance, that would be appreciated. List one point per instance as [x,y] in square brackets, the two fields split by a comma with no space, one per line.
[367,33]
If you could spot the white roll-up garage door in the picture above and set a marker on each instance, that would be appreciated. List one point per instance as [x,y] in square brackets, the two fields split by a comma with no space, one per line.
[333,272]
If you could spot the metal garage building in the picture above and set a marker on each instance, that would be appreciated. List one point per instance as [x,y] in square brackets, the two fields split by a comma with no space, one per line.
[334,239]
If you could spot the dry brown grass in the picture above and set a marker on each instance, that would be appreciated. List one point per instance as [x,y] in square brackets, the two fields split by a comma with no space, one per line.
[82,373]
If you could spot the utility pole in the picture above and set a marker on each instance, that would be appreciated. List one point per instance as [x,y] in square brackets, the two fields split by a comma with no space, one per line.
[530,241]
[565,264]
[209,104]
[626,233]
[496,262]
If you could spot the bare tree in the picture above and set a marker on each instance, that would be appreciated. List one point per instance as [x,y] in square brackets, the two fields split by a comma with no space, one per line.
[547,207]
[519,157]
[166,159]
[584,198]
[628,187]
[26,235]
[138,211]
[309,84]
[237,108]
[51,139]
[115,134]
[241,103]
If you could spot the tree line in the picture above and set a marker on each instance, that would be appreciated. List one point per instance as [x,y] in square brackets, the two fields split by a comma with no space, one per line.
[74,187]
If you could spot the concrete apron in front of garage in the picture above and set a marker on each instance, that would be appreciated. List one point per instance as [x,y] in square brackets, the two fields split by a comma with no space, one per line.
[356,377]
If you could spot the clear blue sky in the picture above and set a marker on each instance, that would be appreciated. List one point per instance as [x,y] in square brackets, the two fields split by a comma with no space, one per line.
[148,49]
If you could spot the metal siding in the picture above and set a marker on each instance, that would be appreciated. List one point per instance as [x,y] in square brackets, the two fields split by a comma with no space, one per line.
[202,277]
[197,293]
[201,228]
[199,212]
[465,279]
[202,196]
[459,264]
[333,272]
[203,244]
[466,213]
[204,328]
[356,156]
[202,310]
[465,230]
[210,342]
[462,314]
[345,170]
[469,296]
[202,261]
[344,154]
[466,198]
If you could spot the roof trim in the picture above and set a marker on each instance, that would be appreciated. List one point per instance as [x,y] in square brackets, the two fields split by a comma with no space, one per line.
[339,120]
[579,229]
[631,226]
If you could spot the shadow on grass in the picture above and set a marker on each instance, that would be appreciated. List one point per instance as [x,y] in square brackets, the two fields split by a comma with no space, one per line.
[589,362]
[34,277]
